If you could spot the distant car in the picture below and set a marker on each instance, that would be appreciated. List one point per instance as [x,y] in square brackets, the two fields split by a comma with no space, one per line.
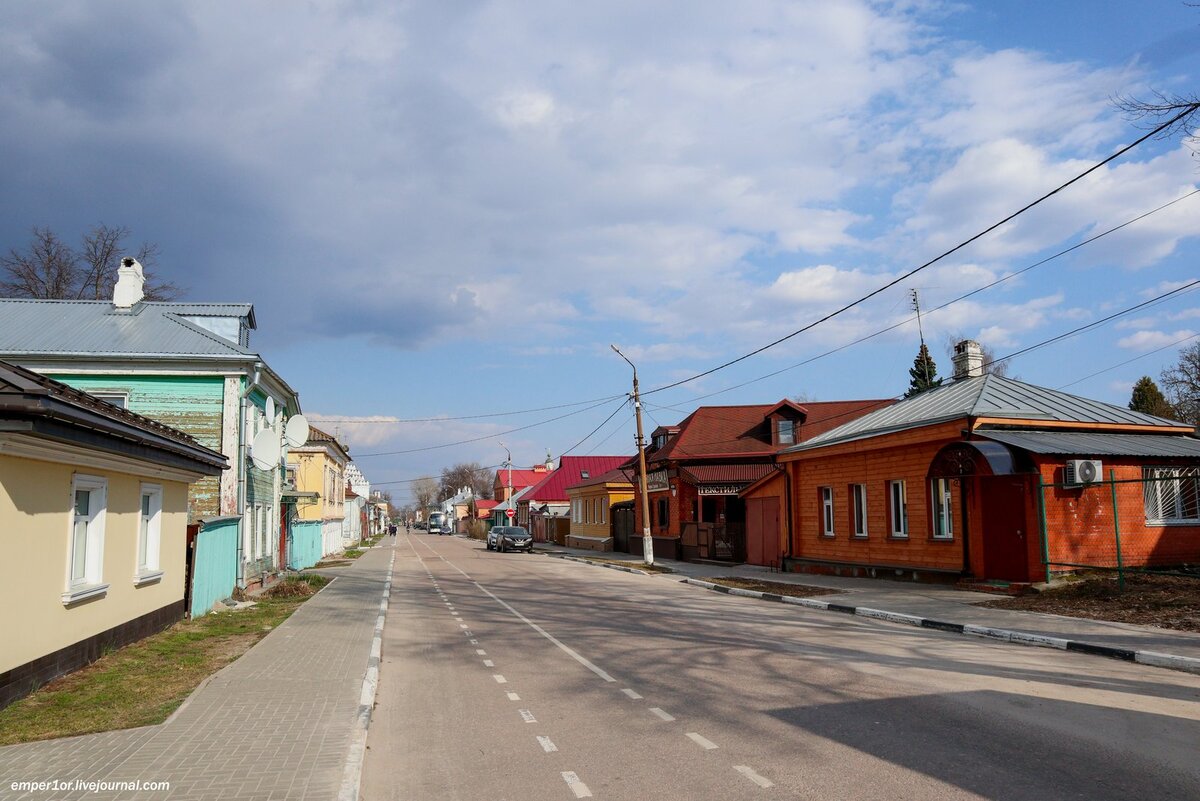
[509,538]
[419,525]
[446,529]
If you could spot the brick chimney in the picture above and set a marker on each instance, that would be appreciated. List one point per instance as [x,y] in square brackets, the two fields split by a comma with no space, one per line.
[130,284]
[968,359]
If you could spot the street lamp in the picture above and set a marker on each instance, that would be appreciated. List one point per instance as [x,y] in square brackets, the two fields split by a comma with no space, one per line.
[647,541]
[508,462]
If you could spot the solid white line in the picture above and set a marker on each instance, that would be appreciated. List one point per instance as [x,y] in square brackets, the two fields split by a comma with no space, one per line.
[579,788]
[527,716]
[488,663]
[632,694]
[703,742]
[749,773]
[659,713]
[499,679]
[548,636]
[547,746]
[513,697]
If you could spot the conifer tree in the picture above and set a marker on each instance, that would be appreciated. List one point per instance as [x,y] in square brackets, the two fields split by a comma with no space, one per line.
[923,374]
[1148,399]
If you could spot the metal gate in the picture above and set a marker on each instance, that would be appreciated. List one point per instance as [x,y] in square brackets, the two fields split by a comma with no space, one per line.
[622,525]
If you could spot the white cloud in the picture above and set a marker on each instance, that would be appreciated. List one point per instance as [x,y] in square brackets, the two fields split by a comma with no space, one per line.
[1149,340]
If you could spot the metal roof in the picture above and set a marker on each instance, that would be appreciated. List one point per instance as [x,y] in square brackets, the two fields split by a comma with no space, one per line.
[1079,444]
[97,328]
[726,473]
[984,396]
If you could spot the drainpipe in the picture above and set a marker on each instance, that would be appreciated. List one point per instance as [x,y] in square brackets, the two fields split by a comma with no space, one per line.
[244,401]
[787,503]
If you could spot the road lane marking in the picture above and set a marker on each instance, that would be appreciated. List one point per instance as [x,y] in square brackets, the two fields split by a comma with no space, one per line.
[579,788]
[488,663]
[527,716]
[462,625]
[749,773]
[481,652]
[547,746]
[703,742]
[474,642]
[513,697]
[547,635]
[468,633]
[659,713]
[632,694]
[499,679]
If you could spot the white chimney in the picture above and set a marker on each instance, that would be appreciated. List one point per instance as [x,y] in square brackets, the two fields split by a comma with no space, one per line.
[130,284]
[549,461]
[968,359]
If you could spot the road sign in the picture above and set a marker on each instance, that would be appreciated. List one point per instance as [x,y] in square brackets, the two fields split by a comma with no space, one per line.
[511,513]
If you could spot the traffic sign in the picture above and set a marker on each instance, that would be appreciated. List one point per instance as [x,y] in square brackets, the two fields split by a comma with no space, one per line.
[511,513]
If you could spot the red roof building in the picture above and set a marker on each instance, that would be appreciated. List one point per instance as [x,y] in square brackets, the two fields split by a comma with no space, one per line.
[510,482]
[548,498]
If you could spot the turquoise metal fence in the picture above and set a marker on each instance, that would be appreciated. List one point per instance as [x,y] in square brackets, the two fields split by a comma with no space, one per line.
[215,574]
[304,544]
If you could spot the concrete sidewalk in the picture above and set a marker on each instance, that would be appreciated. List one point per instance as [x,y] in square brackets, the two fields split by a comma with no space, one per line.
[937,602]
[278,723]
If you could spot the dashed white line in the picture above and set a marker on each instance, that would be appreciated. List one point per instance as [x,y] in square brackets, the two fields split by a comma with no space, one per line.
[481,652]
[659,713]
[546,745]
[703,742]
[474,642]
[527,716]
[749,773]
[579,788]
[632,694]
[488,663]
[462,625]
[499,678]
[513,697]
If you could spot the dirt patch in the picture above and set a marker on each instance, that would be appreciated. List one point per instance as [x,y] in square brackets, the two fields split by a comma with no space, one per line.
[642,566]
[774,587]
[333,563]
[1169,602]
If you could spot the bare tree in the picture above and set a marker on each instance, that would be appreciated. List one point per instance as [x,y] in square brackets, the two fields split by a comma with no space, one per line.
[467,474]
[50,268]
[1179,110]
[425,491]
[1181,385]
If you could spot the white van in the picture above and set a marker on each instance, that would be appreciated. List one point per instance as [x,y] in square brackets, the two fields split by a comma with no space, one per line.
[435,522]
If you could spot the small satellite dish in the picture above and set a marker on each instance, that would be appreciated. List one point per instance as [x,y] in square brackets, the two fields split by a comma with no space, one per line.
[270,410]
[295,433]
[264,451]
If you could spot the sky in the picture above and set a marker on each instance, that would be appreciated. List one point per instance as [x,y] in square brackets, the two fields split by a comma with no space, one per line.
[446,211]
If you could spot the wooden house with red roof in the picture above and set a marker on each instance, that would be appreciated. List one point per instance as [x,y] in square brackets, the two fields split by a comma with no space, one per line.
[545,508]
[510,481]
[712,479]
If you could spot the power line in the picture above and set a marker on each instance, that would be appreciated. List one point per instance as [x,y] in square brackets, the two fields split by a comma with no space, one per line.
[1128,361]
[594,430]
[1189,110]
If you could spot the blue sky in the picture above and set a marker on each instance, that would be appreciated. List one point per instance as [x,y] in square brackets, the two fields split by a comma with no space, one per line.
[446,210]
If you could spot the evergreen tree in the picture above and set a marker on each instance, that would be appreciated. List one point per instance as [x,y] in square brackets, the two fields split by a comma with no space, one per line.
[1148,399]
[923,374]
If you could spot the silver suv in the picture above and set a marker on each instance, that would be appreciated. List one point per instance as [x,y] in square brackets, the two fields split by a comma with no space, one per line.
[509,538]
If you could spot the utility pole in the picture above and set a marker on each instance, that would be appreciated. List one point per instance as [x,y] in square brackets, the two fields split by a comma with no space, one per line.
[508,462]
[647,540]
[916,304]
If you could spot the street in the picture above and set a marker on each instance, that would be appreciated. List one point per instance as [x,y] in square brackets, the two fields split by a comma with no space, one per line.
[510,676]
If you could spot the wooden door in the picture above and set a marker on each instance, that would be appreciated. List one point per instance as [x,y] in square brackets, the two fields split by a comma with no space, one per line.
[1005,528]
[762,531]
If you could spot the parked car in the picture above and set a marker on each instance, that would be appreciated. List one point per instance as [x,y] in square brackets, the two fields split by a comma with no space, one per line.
[447,528]
[509,538]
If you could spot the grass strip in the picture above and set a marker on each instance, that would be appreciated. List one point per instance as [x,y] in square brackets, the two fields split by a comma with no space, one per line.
[143,683]
[774,587]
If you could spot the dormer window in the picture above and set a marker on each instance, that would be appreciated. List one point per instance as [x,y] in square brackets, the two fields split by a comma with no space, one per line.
[785,432]
[659,441]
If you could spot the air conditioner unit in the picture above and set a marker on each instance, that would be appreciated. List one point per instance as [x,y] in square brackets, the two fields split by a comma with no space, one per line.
[1078,472]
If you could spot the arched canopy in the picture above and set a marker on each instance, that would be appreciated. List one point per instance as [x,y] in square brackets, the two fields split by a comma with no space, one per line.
[975,458]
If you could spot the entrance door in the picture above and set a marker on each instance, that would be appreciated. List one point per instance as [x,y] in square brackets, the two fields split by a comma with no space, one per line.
[1005,529]
[762,531]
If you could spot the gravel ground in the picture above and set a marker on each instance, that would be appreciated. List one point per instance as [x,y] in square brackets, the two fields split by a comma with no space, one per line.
[1169,602]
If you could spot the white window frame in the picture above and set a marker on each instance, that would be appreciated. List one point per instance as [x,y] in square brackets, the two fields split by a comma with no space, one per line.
[603,511]
[791,436]
[828,524]
[112,397]
[858,510]
[148,567]
[898,509]
[1156,477]
[91,583]
[941,499]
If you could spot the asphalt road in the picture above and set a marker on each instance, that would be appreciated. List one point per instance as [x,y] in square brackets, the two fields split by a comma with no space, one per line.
[511,676]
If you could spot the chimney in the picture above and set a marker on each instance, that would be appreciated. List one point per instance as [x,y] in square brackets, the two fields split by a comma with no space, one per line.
[130,283]
[968,359]
[549,462]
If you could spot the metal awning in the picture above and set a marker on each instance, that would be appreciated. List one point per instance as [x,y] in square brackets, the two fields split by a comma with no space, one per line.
[1083,444]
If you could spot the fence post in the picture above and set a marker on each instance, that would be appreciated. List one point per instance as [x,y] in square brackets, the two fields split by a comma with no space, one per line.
[1112,483]
[1042,520]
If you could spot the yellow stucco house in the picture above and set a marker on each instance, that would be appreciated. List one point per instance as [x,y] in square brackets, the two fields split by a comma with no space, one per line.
[319,466]
[93,523]
[592,500]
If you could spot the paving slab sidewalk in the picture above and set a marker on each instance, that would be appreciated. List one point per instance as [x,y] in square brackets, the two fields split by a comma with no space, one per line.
[275,724]
[938,602]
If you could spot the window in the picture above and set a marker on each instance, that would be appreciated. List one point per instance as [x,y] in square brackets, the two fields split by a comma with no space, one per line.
[941,496]
[826,494]
[662,513]
[84,578]
[785,431]
[149,535]
[575,510]
[898,508]
[1172,495]
[118,399]
[858,509]
[603,512]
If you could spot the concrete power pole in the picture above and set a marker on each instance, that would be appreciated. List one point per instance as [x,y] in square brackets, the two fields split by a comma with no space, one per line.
[647,540]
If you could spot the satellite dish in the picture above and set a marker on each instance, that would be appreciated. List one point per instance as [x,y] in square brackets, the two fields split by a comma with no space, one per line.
[295,433]
[270,409]
[264,451]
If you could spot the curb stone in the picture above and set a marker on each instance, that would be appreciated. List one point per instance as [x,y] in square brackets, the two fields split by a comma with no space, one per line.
[1154,658]
[623,569]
